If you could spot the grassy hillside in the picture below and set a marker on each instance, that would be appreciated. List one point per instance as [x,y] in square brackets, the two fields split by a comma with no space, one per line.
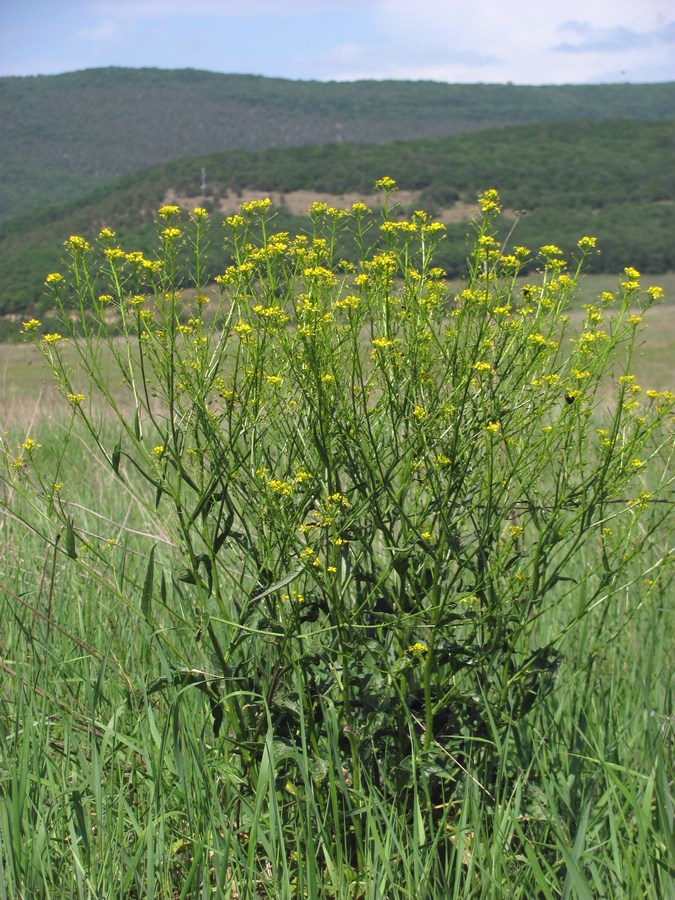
[64,135]
[615,180]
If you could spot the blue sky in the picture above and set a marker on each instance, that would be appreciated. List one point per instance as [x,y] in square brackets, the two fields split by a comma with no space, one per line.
[469,41]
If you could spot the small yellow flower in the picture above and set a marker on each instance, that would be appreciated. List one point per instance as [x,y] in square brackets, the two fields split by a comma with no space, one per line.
[199,213]
[493,427]
[243,329]
[75,399]
[385,184]
[489,201]
[417,649]
[29,445]
[482,367]
[284,488]
[54,278]
[52,338]
[30,327]
[106,234]
[171,233]
[158,450]
[631,273]
[167,212]
[587,243]
[348,302]
[382,343]
[550,250]
[254,205]
[76,243]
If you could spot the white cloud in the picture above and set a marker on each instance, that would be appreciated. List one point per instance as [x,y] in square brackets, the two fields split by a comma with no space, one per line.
[524,41]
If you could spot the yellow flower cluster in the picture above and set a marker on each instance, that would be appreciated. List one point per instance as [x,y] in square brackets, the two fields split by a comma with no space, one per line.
[482,366]
[256,205]
[320,276]
[385,184]
[398,227]
[349,302]
[550,250]
[382,343]
[538,340]
[75,244]
[277,486]
[169,211]
[489,201]
[271,313]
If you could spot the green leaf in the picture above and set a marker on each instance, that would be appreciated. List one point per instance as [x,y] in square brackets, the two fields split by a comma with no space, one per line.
[70,539]
[278,584]
[146,596]
[116,454]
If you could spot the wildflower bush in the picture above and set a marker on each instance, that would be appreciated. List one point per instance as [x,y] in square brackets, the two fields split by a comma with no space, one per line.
[390,505]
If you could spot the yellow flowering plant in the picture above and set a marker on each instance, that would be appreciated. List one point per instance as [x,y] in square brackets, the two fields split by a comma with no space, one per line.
[364,439]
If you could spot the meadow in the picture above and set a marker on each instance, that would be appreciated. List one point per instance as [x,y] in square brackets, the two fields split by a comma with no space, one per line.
[335,579]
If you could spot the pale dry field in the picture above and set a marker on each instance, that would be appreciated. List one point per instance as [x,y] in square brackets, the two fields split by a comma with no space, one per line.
[299,202]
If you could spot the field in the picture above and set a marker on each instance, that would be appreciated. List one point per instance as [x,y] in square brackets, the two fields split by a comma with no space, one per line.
[346,592]
[27,392]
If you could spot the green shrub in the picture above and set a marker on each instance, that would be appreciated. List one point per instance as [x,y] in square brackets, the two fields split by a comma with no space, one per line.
[390,506]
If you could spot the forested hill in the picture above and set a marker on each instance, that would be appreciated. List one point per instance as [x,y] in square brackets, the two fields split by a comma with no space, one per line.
[64,135]
[614,180]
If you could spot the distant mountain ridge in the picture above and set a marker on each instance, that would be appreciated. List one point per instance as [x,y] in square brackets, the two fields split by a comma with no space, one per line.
[64,135]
